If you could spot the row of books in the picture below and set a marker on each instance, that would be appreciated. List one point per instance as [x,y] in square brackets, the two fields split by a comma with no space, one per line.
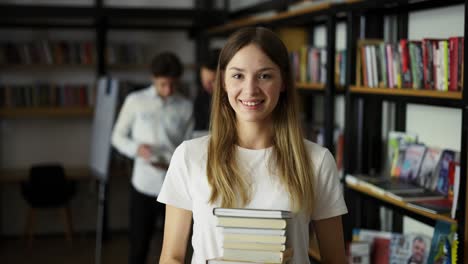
[48,52]
[310,65]
[126,53]
[431,64]
[46,95]
[252,235]
[372,246]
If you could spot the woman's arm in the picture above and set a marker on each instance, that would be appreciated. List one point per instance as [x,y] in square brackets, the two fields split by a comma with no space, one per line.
[330,238]
[176,235]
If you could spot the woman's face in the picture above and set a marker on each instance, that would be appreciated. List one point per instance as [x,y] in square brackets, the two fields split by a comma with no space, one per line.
[253,84]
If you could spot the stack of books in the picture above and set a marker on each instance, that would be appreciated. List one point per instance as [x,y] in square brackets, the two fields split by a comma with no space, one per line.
[252,235]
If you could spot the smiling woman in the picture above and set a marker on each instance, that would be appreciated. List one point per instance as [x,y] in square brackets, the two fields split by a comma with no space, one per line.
[254,157]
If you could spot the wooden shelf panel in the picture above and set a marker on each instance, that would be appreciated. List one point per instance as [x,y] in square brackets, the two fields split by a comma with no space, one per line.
[46,112]
[253,21]
[407,92]
[46,66]
[369,192]
[310,86]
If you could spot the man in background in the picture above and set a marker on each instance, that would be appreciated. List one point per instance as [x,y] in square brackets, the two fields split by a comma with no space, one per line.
[202,102]
[150,125]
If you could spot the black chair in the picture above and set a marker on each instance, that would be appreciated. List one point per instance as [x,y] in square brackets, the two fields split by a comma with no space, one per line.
[47,187]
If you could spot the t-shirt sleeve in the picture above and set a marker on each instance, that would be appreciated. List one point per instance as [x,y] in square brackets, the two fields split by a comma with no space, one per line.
[175,190]
[329,200]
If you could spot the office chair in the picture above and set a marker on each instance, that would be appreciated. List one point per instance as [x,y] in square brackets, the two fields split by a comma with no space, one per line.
[46,188]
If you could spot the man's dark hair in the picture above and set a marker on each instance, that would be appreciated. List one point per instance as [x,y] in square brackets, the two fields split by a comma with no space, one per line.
[211,60]
[166,64]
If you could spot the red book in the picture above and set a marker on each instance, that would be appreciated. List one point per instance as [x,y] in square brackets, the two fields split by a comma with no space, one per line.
[380,251]
[453,66]
[405,64]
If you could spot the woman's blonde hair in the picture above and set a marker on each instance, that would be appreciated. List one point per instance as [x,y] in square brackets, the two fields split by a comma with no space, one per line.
[290,159]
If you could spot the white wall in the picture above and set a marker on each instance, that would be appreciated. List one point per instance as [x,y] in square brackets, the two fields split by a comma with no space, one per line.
[436,126]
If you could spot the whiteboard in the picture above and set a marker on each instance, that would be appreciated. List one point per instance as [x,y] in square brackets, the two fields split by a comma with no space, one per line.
[104,114]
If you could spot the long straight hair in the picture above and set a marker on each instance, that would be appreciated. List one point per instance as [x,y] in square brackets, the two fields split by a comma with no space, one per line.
[290,159]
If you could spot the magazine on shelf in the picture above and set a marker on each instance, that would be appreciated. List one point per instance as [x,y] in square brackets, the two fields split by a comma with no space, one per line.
[409,248]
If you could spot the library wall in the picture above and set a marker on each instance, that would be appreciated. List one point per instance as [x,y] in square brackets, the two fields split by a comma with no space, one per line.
[443,128]
[26,141]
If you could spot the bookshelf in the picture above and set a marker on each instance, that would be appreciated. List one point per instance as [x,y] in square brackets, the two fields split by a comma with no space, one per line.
[408,92]
[400,204]
[363,132]
[363,108]
[48,123]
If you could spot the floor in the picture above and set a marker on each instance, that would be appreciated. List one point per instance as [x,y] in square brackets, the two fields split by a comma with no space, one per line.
[56,250]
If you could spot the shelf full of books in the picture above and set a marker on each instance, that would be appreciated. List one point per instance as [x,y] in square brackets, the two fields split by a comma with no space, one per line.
[47,52]
[430,67]
[309,65]
[418,178]
[46,99]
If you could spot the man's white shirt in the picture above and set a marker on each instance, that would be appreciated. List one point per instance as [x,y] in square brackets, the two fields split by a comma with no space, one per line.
[147,118]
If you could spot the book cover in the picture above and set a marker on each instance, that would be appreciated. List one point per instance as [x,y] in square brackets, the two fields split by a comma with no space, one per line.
[414,155]
[254,246]
[409,248]
[380,252]
[443,171]
[359,252]
[428,165]
[258,231]
[252,222]
[254,255]
[271,239]
[442,242]
[250,212]
[396,148]
[405,64]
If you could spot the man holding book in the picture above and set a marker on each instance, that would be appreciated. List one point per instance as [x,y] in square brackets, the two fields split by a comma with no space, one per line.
[151,124]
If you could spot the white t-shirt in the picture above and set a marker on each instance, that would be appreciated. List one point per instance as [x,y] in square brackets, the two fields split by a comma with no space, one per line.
[186,186]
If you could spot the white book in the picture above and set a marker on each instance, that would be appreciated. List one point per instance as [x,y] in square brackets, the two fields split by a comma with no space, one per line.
[255,238]
[254,231]
[254,246]
[375,75]
[253,255]
[253,213]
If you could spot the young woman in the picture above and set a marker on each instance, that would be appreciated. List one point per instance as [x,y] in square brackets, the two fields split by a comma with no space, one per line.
[255,157]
